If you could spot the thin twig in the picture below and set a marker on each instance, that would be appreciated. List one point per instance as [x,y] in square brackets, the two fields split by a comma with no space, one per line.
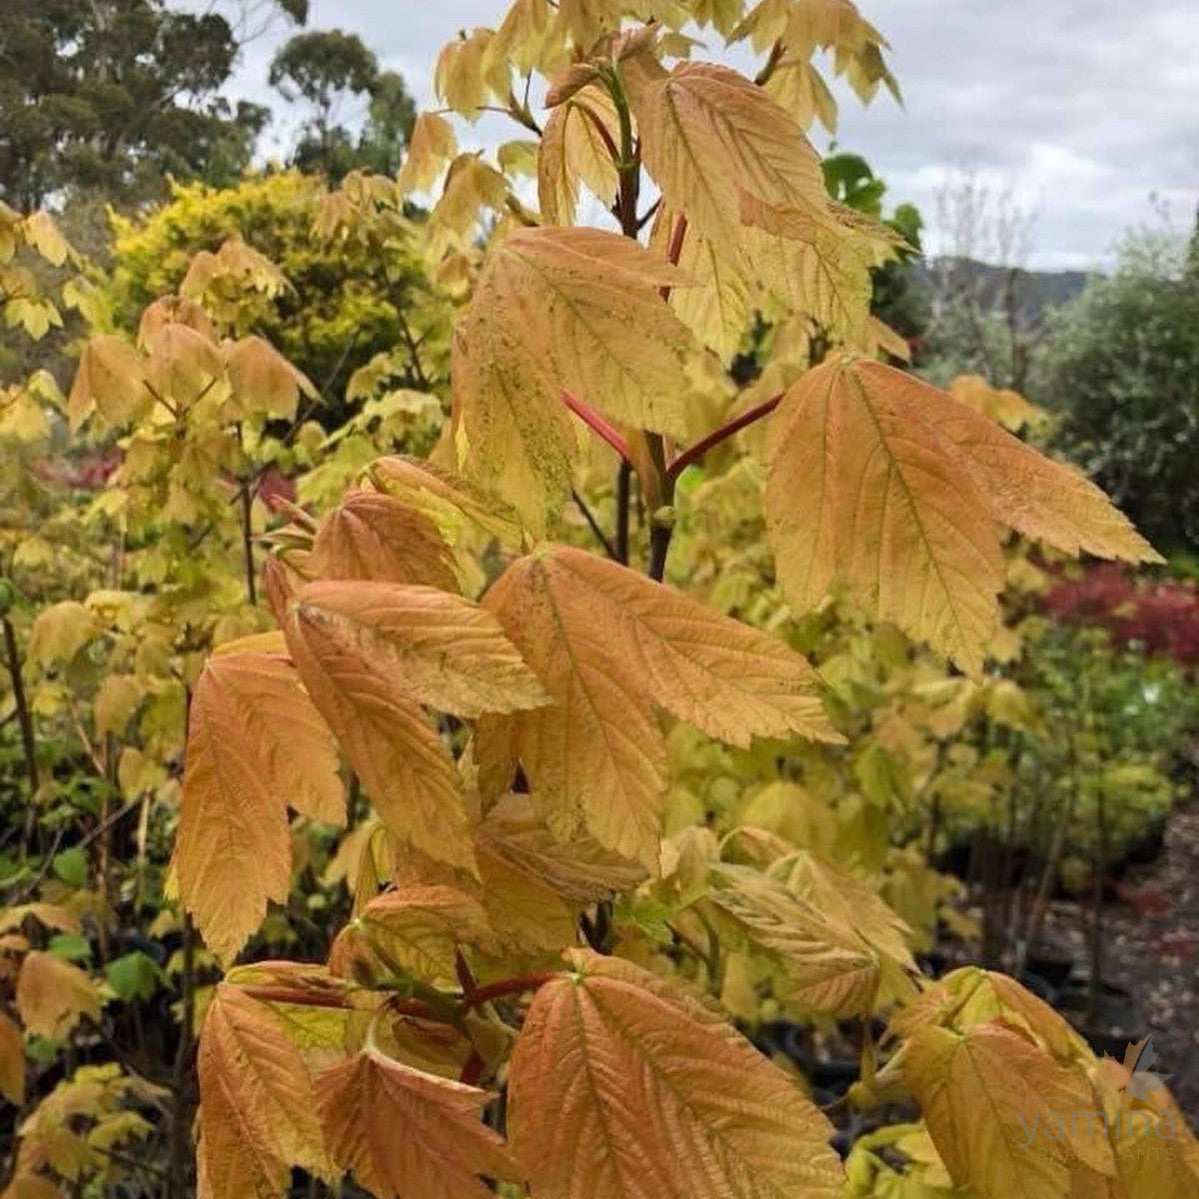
[594,526]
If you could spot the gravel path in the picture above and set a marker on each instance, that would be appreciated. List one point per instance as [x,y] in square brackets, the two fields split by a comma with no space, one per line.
[1151,952]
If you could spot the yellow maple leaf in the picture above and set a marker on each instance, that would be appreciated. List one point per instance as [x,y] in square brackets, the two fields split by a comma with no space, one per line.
[414,929]
[256,1117]
[891,488]
[615,1069]
[608,645]
[255,744]
[404,1133]
[821,964]
[53,995]
[574,151]
[557,310]
[371,535]
[1006,1147]
[431,146]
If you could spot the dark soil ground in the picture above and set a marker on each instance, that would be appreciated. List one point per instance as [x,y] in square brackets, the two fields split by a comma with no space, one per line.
[1150,956]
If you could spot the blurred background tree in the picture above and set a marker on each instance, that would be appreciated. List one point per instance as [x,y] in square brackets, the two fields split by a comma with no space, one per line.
[329,71]
[1121,366]
[109,97]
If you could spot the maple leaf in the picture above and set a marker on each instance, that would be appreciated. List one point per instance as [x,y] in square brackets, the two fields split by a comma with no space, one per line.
[563,309]
[12,1062]
[431,146]
[574,151]
[373,536]
[262,380]
[109,379]
[616,1070]
[608,645]
[580,870]
[370,654]
[404,1133]
[449,500]
[255,743]
[722,151]
[415,930]
[256,1116]
[854,906]
[53,995]
[1001,1149]
[821,964]
[891,488]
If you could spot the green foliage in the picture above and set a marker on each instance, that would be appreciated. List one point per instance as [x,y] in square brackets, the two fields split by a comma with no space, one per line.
[347,299]
[115,95]
[1121,366]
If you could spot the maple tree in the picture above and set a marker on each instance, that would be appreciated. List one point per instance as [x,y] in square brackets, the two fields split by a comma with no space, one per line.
[595,815]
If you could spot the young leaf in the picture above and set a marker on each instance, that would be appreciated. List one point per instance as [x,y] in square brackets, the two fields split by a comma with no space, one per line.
[110,379]
[554,310]
[416,930]
[255,743]
[621,1086]
[12,1062]
[893,489]
[256,1116]
[996,1147]
[430,147]
[608,645]
[373,536]
[574,151]
[447,499]
[404,1133]
[722,151]
[864,493]
[371,653]
[53,996]
[580,870]
[263,380]
[429,645]
[820,963]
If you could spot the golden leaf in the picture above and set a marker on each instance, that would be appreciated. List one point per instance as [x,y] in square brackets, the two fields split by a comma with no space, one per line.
[579,870]
[430,147]
[256,1116]
[263,381]
[563,309]
[821,964]
[370,653]
[53,996]
[712,141]
[891,488]
[373,536]
[608,644]
[622,1086]
[573,151]
[404,1133]
[865,494]
[12,1062]
[449,500]
[430,645]
[1003,1148]
[255,744]
[416,930]
[110,379]
[60,632]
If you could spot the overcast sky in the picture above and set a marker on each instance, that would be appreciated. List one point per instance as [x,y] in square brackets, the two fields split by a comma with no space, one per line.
[1083,108]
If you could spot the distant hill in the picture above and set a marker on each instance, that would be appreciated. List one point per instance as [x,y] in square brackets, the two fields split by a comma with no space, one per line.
[1037,290]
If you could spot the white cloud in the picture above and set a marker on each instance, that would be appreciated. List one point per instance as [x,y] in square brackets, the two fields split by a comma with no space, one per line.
[1084,108]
